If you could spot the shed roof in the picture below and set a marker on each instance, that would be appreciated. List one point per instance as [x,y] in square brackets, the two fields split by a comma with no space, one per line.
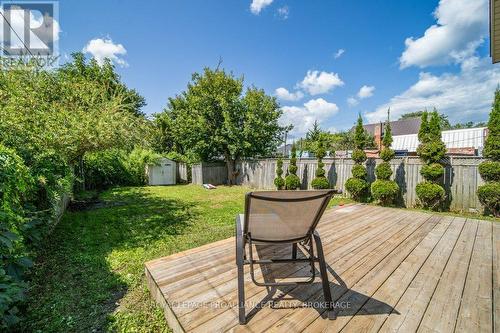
[460,138]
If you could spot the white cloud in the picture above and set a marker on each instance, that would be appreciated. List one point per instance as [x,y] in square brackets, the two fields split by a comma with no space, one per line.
[460,28]
[463,96]
[352,101]
[316,82]
[365,92]
[257,5]
[101,49]
[283,12]
[303,117]
[285,95]
[339,53]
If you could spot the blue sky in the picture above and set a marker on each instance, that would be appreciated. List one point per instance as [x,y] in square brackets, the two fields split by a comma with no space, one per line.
[406,54]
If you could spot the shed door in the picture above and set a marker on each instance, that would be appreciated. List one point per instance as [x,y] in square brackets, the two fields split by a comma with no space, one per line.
[167,173]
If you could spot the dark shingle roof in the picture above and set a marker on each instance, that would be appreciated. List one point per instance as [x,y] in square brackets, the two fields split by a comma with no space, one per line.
[399,127]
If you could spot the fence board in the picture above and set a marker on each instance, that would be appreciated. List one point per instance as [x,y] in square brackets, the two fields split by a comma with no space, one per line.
[461,178]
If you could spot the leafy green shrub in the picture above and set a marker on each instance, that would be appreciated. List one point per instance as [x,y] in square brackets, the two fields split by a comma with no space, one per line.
[492,145]
[385,191]
[16,186]
[489,196]
[115,167]
[279,182]
[292,181]
[430,194]
[135,165]
[358,156]
[105,169]
[431,152]
[432,172]
[383,171]
[356,187]
[320,171]
[359,171]
[490,170]
[320,183]
[387,154]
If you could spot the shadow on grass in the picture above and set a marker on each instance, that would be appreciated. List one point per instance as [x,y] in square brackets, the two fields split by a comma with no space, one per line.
[74,288]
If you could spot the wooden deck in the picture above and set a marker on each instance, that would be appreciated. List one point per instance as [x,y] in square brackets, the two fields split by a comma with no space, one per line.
[389,270]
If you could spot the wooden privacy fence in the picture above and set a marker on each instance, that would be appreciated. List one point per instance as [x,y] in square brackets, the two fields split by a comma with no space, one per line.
[183,172]
[461,177]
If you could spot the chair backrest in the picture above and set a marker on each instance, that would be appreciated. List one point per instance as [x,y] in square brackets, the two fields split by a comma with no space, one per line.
[281,216]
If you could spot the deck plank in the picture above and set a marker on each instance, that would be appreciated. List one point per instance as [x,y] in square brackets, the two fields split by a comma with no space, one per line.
[358,295]
[411,306]
[442,310]
[399,269]
[476,308]
[368,318]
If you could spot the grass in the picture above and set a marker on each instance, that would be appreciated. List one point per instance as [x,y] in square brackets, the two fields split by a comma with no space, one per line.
[89,276]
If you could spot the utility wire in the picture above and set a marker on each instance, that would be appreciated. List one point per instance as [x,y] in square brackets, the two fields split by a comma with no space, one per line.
[12,28]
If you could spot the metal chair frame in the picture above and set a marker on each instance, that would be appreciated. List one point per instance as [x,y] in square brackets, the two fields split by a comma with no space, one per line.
[243,237]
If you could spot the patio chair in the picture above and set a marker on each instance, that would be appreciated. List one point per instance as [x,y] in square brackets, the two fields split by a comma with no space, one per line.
[281,217]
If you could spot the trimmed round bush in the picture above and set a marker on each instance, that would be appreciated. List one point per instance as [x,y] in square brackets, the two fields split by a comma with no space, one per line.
[490,171]
[432,172]
[431,152]
[320,183]
[387,154]
[279,182]
[292,182]
[430,194]
[383,171]
[489,196]
[358,156]
[385,191]
[359,171]
[292,168]
[320,172]
[356,187]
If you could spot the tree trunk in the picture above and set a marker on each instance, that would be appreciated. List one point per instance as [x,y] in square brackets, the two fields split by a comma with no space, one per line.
[231,170]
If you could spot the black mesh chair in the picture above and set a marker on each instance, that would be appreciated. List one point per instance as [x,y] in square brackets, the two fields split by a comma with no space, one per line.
[281,217]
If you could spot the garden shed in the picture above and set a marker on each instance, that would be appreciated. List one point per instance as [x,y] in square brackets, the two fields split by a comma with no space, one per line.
[162,173]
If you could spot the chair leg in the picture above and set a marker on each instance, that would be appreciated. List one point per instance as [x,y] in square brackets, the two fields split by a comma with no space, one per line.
[240,254]
[294,251]
[324,276]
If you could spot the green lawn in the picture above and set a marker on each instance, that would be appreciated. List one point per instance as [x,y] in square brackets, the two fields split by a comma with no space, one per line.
[89,277]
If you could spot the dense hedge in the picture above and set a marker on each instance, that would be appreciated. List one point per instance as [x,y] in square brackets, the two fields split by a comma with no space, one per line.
[489,193]
[29,196]
[116,167]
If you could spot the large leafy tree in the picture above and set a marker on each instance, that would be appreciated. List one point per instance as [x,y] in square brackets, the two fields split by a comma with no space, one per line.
[213,119]
[81,107]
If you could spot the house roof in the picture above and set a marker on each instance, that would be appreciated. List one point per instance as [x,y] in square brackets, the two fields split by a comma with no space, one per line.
[399,127]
